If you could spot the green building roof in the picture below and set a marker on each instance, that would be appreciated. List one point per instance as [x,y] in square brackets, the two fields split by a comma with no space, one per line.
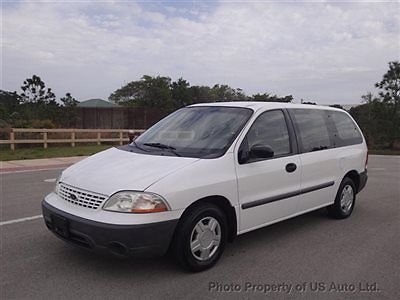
[97,103]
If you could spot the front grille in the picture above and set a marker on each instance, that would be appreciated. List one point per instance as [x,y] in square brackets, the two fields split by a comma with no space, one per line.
[80,197]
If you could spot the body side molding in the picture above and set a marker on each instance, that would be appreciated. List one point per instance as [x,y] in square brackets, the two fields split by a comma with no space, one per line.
[287,195]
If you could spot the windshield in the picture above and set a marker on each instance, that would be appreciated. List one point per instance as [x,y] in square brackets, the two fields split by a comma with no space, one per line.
[201,131]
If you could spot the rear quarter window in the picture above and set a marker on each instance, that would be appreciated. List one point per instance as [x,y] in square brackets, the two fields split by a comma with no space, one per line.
[346,132]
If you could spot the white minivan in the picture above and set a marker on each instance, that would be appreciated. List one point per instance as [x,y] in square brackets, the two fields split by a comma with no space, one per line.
[207,173]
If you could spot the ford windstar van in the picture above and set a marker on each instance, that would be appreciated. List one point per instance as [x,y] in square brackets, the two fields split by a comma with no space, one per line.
[207,173]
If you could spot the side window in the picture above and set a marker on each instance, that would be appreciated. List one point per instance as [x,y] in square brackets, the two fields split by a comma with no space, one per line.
[270,129]
[313,129]
[347,131]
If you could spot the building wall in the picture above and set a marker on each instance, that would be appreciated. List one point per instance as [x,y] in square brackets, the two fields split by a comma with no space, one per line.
[118,117]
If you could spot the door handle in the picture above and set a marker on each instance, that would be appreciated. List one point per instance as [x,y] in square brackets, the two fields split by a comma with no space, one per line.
[291,167]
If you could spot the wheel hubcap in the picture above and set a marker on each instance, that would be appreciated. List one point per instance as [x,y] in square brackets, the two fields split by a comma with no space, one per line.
[205,238]
[347,198]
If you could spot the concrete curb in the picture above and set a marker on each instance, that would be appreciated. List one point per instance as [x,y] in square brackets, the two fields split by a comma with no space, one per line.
[38,164]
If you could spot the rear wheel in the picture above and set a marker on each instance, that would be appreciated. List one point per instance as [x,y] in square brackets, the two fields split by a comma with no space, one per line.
[200,237]
[344,201]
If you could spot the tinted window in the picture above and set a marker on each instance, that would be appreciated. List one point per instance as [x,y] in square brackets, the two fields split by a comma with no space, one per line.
[270,130]
[347,131]
[313,129]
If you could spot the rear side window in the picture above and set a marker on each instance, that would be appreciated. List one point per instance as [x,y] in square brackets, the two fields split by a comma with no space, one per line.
[347,132]
[313,130]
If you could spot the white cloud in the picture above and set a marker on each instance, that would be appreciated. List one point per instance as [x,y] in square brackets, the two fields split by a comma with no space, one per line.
[317,51]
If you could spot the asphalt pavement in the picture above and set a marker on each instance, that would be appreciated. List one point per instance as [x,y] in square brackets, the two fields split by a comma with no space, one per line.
[307,257]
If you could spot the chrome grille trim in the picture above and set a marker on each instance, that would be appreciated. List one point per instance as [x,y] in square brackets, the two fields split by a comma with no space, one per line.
[82,197]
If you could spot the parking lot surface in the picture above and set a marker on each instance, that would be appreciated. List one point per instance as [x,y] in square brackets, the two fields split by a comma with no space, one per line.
[307,257]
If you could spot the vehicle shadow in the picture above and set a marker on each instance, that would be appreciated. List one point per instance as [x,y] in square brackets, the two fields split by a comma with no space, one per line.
[268,237]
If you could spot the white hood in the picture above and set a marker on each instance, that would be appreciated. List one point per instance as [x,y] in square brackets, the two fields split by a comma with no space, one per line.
[114,170]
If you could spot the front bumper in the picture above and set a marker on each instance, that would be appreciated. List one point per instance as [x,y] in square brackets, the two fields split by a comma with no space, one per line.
[122,240]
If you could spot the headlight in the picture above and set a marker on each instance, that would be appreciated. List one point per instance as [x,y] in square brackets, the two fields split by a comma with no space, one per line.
[135,202]
[57,184]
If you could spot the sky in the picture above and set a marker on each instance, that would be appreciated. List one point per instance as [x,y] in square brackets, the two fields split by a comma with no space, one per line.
[325,52]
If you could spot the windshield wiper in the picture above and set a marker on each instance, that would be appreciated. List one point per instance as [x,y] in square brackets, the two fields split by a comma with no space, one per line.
[163,146]
[137,146]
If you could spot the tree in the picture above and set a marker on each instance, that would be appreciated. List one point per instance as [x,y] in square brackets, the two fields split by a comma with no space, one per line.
[69,101]
[181,93]
[37,101]
[200,94]
[260,97]
[389,94]
[223,93]
[390,85]
[9,103]
[271,98]
[373,117]
[157,92]
[286,99]
[160,92]
[337,106]
[147,92]
[127,95]
[70,115]
[34,91]
[240,95]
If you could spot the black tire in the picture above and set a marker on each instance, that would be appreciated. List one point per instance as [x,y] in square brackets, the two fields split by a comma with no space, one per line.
[337,210]
[181,244]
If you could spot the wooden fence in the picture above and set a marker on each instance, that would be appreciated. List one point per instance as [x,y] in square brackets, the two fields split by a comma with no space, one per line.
[124,135]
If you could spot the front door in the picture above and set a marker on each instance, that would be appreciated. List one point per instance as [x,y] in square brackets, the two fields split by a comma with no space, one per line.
[268,188]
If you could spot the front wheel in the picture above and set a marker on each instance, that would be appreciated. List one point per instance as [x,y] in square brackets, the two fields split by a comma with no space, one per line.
[344,201]
[200,237]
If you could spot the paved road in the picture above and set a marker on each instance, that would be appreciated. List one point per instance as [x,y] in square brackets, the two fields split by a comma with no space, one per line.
[308,249]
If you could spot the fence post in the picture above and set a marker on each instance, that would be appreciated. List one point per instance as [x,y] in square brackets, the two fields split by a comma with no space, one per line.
[73,138]
[45,139]
[98,138]
[120,138]
[12,138]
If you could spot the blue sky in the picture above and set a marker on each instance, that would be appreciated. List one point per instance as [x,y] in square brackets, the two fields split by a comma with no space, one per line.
[325,52]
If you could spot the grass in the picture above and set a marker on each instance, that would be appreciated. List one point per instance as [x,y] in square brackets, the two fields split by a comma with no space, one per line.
[384,152]
[32,153]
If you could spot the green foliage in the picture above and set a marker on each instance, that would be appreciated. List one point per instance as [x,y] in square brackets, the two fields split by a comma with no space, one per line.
[181,92]
[337,106]
[9,104]
[199,94]
[270,98]
[389,94]
[372,117]
[69,116]
[35,107]
[160,92]
[224,93]
[37,103]
[69,101]
[34,91]
[379,117]
[39,111]
[148,91]
[390,85]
